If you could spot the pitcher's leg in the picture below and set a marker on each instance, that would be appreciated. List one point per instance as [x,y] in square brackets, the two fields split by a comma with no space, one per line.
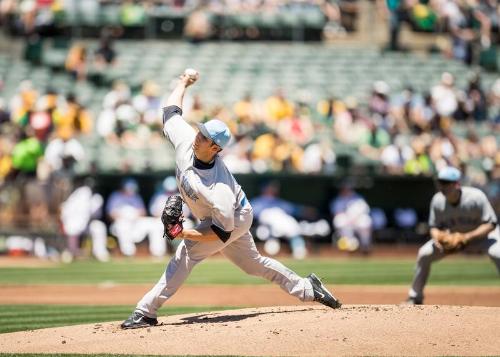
[187,255]
[177,271]
[494,252]
[245,255]
[427,254]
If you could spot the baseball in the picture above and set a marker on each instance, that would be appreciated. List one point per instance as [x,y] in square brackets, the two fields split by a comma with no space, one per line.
[192,73]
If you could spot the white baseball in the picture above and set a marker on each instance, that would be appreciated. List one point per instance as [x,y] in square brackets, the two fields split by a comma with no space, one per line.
[192,73]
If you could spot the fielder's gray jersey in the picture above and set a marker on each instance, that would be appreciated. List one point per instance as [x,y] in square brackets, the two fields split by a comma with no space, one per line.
[210,190]
[473,210]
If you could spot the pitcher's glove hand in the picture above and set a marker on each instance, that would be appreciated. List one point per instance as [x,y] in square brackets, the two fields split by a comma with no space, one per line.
[452,242]
[172,217]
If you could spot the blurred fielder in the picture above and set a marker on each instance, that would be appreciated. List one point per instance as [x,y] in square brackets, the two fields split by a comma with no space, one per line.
[352,220]
[80,215]
[130,223]
[218,201]
[461,219]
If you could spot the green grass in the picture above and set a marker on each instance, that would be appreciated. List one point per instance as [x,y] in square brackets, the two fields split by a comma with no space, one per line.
[32,317]
[478,271]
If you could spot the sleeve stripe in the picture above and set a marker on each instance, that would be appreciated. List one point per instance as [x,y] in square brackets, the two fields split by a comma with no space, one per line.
[170,111]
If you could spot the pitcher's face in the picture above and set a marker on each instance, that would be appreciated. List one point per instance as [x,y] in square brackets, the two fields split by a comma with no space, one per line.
[449,189]
[203,147]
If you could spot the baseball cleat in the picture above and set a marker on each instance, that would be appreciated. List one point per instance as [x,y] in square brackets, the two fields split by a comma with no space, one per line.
[138,320]
[413,301]
[321,293]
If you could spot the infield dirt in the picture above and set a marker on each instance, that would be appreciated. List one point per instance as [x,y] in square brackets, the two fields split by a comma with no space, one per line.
[305,330]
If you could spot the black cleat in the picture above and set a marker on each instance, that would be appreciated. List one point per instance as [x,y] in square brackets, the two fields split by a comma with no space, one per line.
[138,320]
[413,301]
[321,293]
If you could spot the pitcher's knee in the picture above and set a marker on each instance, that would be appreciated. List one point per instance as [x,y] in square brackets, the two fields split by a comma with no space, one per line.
[494,251]
[425,252]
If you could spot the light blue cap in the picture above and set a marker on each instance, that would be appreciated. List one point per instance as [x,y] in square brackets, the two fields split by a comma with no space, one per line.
[130,184]
[170,184]
[217,131]
[449,173]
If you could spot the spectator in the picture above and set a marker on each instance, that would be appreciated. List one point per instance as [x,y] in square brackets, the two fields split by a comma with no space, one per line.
[5,159]
[394,155]
[4,114]
[62,154]
[445,96]
[23,103]
[351,220]
[418,161]
[476,99]
[278,107]
[76,62]
[318,157]
[105,55]
[130,225]
[148,104]
[463,34]
[132,13]
[71,119]
[198,27]
[80,215]
[25,154]
[379,100]
[397,13]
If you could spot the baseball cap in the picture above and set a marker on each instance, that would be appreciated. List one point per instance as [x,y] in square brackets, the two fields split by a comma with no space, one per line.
[449,173]
[170,184]
[130,184]
[217,131]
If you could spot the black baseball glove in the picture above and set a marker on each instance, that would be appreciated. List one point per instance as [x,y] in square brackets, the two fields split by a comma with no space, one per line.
[172,217]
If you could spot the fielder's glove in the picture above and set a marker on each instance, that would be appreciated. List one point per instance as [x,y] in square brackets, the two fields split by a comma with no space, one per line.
[452,242]
[172,217]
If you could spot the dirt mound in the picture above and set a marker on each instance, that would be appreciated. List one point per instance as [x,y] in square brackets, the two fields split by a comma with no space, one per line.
[284,331]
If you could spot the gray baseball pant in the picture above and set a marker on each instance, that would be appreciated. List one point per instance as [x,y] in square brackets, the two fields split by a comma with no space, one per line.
[429,253]
[240,249]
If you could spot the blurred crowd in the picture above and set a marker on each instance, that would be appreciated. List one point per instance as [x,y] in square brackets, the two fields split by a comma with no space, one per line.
[203,18]
[405,132]
[472,26]
[40,132]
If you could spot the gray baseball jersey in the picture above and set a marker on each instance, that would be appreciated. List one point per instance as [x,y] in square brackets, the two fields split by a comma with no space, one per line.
[214,197]
[473,210]
[210,194]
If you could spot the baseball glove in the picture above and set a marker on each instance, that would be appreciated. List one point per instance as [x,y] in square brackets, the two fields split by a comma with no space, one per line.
[452,242]
[172,217]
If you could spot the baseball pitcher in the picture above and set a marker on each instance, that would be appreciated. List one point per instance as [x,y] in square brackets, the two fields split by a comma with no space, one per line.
[218,201]
[461,219]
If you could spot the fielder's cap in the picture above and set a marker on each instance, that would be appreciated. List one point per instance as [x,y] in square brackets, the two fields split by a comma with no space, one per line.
[170,184]
[130,184]
[449,173]
[217,131]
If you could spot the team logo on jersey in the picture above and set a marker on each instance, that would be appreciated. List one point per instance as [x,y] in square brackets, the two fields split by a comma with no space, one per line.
[188,190]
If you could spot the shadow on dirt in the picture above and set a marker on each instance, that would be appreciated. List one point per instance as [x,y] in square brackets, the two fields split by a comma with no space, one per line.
[219,318]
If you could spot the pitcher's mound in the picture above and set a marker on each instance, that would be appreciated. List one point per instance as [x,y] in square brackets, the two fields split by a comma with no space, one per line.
[284,331]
